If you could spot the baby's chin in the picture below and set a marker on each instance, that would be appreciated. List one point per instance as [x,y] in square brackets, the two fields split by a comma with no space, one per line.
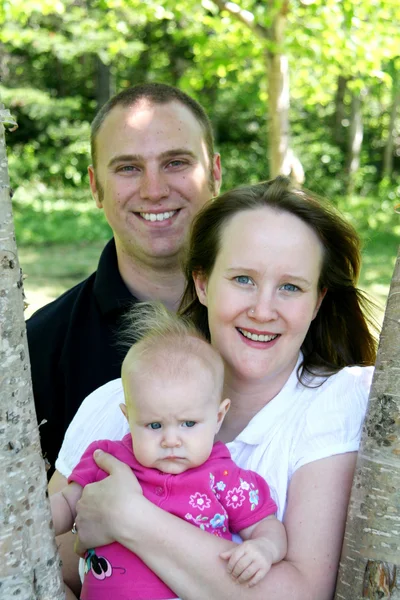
[173,466]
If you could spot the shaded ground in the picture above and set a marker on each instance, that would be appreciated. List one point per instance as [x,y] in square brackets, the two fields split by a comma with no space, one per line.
[50,270]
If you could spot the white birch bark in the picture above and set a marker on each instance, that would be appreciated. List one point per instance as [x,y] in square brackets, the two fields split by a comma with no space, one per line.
[370,563]
[29,562]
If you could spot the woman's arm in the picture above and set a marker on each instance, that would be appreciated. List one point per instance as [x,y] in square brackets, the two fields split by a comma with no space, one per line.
[315,517]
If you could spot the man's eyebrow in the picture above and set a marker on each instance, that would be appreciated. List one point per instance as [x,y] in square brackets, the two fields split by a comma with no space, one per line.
[121,158]
[177,151]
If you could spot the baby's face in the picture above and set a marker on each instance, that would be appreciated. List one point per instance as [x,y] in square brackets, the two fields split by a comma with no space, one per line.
[173,420]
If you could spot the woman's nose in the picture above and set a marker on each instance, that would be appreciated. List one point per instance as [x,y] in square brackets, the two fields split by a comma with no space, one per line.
[263,308]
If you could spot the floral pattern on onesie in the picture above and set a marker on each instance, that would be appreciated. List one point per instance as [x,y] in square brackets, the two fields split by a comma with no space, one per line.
[232,493]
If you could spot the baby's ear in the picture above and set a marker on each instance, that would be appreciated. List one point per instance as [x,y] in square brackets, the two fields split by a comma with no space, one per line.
[124,410]
[223,409]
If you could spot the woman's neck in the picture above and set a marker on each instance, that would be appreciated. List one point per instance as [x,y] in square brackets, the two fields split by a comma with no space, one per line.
[247,399]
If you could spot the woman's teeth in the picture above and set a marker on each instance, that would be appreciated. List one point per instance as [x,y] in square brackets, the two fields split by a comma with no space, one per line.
[257,338]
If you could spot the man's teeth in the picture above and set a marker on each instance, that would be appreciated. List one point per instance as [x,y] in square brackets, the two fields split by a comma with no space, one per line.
[257,338]
[157,216]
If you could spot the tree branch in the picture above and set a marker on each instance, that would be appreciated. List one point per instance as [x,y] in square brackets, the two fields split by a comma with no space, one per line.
[244,16]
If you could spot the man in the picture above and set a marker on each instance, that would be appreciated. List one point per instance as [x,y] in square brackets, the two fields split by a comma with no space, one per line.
[153,167]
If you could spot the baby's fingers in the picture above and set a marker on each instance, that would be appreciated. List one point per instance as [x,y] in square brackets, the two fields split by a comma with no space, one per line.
[227,554]
[260,574]
[237,565]
[247,573]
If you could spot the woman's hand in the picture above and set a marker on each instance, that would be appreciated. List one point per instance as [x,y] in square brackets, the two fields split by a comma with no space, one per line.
[106,506]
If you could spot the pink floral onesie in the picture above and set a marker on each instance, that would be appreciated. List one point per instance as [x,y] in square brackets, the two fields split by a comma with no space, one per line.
[217,497]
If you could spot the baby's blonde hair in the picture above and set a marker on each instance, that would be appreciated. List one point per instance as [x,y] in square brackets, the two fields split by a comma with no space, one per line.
[170,343]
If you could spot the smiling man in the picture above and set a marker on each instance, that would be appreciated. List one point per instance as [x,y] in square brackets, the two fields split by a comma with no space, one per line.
[153,167]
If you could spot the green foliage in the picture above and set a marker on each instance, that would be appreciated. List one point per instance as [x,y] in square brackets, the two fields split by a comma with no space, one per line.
[51,51]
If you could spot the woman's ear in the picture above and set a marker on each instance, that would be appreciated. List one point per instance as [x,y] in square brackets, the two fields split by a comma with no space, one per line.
[200,283]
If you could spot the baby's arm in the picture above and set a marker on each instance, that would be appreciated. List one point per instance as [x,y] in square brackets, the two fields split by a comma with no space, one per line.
[265,544]
[63,507]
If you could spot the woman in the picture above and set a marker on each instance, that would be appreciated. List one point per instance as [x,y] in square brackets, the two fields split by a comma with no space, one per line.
[271,281]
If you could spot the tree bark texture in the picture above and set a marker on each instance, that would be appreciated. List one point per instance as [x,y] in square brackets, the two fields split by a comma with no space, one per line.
[370,562]
[356,134]
[29,562]
[278,97]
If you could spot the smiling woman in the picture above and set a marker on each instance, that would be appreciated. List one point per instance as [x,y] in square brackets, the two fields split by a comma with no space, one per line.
[262,294]
[272,283]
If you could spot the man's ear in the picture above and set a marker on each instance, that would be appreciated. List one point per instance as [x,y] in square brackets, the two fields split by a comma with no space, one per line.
[93,186]
[223,409]
[124,410]
[200,283]
[217,172]
[321,296]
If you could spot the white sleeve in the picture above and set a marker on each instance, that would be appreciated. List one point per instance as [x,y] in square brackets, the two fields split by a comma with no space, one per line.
[333,422]
[99,417]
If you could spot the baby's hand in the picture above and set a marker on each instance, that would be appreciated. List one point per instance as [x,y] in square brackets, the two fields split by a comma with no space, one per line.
[249,562]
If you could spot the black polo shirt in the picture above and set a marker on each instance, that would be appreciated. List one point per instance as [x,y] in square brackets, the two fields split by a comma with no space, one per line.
[73,347]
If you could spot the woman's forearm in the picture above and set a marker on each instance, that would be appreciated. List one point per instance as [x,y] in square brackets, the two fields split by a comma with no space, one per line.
[201,573]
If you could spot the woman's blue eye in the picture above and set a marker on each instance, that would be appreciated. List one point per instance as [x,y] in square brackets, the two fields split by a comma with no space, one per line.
[243,279]
[154,425]
[289,287]
[189,423]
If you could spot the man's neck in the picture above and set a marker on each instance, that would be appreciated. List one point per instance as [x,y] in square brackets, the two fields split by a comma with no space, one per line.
[162,281]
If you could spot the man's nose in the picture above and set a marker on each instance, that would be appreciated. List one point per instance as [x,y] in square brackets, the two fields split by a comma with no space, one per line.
[153,185]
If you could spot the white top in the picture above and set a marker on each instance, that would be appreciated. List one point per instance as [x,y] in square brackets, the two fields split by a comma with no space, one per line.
[300,425]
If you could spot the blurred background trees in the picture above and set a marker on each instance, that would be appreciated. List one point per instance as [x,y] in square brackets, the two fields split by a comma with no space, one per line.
[307,86]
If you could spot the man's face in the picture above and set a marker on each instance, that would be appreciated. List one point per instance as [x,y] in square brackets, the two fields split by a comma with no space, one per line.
[153,174]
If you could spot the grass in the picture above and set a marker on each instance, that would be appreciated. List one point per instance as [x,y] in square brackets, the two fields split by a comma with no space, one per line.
[52,269]
[50,226]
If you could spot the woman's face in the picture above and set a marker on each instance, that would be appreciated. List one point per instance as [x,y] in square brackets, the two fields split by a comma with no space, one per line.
[262,293]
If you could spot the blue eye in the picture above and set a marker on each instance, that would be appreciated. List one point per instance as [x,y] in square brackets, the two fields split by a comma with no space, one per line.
[189,423]
[127,168]
[176,163]
[289,287]
[243,279]
[155,425]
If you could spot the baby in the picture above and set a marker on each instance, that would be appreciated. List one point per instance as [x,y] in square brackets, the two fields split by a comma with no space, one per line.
[173,385]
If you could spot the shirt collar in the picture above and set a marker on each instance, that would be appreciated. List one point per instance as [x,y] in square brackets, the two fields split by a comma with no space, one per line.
[109,289]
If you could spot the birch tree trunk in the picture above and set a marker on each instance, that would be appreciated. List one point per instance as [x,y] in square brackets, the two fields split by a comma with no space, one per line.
[370,562]
[29,562]
[356,134]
